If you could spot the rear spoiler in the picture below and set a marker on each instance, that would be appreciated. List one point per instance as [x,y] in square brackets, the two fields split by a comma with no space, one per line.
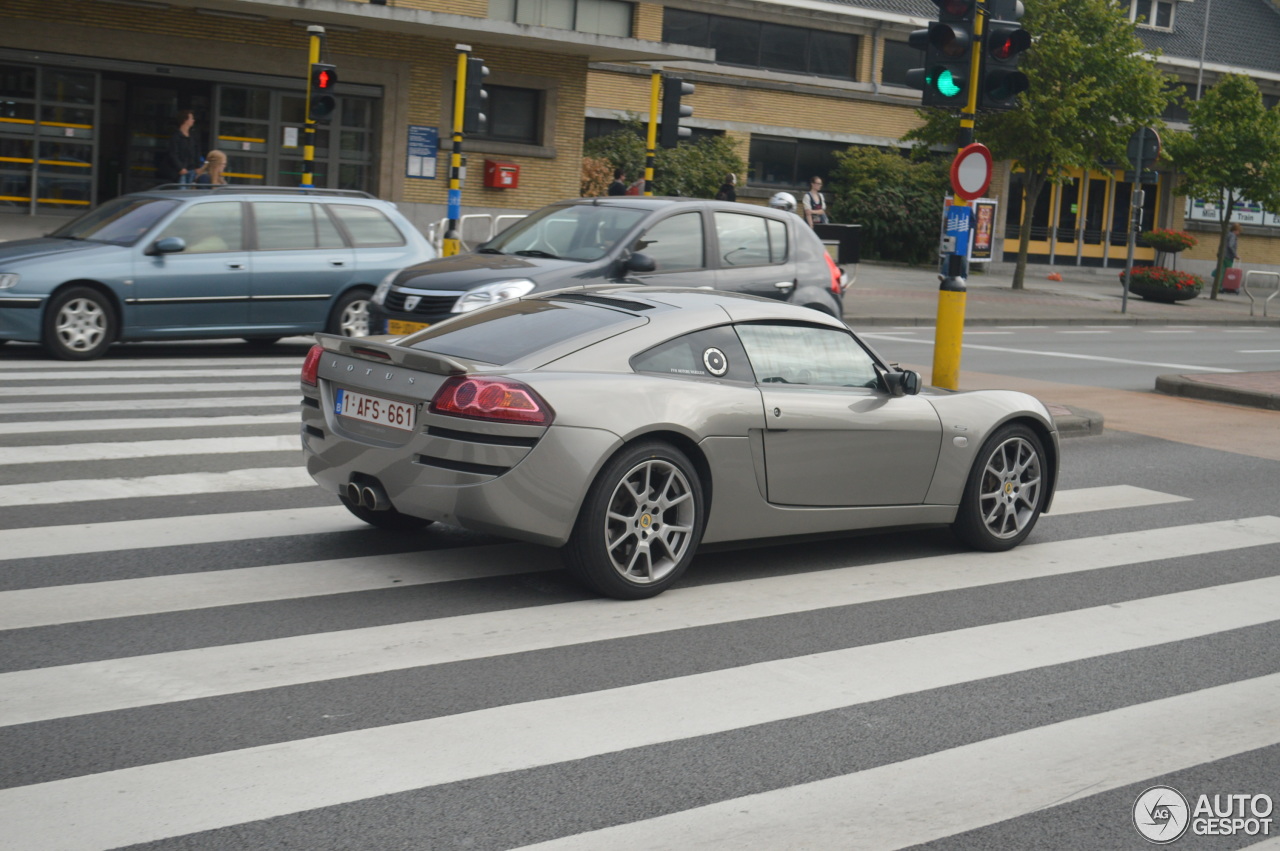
[378,350]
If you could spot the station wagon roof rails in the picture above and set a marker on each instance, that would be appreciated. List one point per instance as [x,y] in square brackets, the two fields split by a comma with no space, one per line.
[269,190]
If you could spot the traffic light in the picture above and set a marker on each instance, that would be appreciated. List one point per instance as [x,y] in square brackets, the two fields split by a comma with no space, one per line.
[1003,43]
[948,50]
[320,96]
[673,89]
[476,101]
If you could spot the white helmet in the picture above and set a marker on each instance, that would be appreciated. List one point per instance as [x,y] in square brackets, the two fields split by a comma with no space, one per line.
[783,201]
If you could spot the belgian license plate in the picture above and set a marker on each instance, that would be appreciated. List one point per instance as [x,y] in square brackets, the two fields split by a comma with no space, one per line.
[374,409]
[401,328]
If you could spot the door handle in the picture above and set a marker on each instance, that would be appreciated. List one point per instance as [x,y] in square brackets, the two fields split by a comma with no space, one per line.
[784,285]
[235,265]
[337,262]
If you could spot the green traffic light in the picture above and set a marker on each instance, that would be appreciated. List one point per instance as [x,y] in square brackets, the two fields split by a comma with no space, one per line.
[946,85]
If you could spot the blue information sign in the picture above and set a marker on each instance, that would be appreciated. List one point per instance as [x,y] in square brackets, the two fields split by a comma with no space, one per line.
[424,148]
[958,221]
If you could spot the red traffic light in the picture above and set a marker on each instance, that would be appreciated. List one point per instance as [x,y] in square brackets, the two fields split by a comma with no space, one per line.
[323,77]
[1009,44]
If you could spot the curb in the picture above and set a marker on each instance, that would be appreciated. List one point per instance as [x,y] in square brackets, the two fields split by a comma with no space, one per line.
[1076,422]
[1187,387]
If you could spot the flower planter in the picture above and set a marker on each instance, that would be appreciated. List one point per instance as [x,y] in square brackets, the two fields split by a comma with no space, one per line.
[1160,292]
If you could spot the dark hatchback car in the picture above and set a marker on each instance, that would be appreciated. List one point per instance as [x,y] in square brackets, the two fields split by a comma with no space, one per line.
[669,242]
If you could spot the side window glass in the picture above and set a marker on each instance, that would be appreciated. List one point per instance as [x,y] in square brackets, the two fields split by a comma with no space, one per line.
[805,354]
[675,243]
[367,226]
[327,233]
[710,353]
[282,225]
[777,241]
[207,228]
[744,239]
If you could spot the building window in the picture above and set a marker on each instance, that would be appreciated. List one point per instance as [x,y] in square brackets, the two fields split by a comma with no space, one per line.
[515,115]
[899,58]
[594,128]
[755,44]
[604,17]
[790,163]
[1152,13]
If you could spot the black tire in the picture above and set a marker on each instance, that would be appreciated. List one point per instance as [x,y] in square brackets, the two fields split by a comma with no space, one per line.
[390,519]
[1005,492]
[640,523]
[350,316]
[79,324]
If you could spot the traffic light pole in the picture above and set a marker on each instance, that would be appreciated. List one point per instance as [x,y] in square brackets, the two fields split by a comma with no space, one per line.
[452,235]
[952,291]
[309,129]
[651,140]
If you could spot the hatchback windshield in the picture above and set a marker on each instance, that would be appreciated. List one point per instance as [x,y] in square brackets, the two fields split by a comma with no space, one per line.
[123,221]
[574,232]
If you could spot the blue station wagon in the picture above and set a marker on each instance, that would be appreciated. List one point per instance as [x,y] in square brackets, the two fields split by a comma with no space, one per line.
[254,262]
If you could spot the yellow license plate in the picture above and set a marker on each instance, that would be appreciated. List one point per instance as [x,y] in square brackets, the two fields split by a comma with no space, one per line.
[395,326]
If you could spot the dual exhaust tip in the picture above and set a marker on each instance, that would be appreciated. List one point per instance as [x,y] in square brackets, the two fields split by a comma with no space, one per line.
[367,494]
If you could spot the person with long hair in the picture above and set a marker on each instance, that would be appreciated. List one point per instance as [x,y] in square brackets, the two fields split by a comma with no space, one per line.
[211,173]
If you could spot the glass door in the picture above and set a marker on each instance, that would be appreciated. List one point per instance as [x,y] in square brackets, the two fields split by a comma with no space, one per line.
[48,139]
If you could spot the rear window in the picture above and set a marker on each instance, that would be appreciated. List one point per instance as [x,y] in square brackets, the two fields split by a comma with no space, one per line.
[507,332]
[368,226]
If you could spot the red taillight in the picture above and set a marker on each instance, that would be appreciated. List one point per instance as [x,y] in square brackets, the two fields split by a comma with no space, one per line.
[311,366]
[836,275]
[499,399]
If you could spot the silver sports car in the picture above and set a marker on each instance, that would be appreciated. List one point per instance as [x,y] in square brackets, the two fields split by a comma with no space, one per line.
[630,424]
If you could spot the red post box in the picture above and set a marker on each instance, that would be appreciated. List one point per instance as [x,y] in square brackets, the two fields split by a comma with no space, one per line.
[499,175]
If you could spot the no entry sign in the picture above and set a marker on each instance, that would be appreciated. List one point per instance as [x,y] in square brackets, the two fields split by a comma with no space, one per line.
[971,171]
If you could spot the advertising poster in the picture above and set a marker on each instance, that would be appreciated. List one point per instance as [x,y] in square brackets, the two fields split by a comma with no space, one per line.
[984,230]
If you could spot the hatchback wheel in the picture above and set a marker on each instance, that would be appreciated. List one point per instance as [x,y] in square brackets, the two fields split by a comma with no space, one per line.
[351,315]
[1005,491]
[79,325]
[640,524]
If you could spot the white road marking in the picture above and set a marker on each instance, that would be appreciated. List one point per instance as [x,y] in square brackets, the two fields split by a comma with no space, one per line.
[125,389]
[1068,355]
[159,363]
[1083,331]
[120,807]
[85,452]
[78,689]
[228,403]
[116,375]
[1109,498]
[1258,351]
[143,424]
[79,539]
[124,598]
[177,484]
[965,788]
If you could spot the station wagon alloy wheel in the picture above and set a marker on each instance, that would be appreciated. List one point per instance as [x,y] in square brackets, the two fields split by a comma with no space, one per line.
[79,325]
[351,315]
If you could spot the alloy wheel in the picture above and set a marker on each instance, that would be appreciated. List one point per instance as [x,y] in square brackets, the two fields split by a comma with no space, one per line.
[649,521]
[1010,491]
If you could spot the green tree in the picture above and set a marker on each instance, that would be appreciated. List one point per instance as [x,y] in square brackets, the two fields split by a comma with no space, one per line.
[896,200]
[1093,83]
[694,169]
[1231,152]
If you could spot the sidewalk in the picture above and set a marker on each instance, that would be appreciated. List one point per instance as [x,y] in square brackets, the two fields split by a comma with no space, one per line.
[901,296]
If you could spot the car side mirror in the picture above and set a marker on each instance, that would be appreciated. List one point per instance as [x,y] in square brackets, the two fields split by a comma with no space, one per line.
[168,245]
[640,263]
[905,382]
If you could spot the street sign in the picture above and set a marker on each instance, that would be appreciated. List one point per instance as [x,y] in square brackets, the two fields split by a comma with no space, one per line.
[1144,148]
[1148,176]
[971,171]
[956,235]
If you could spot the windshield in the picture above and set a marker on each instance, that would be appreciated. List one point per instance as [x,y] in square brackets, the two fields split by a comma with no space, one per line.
[122,221]
[572,232]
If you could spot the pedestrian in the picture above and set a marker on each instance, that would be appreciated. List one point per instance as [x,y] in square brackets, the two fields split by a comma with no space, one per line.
[728,190]
[1230,257]
[619,185]
[211,173]
[182,156]
[815,205]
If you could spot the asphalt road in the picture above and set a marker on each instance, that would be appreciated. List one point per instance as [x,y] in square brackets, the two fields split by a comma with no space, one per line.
[199,650]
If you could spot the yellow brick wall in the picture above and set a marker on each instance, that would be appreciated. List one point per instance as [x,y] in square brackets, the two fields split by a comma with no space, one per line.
[646,22]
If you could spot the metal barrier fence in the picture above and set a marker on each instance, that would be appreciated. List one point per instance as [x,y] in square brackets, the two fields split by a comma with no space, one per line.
[1275,288]
[475,228]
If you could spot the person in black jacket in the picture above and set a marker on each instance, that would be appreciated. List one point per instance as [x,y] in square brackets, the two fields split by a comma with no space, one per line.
[182,156]
[619,185]
[728,190]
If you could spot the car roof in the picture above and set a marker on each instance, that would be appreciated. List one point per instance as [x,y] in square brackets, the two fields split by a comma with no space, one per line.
[658,202]
[183,192]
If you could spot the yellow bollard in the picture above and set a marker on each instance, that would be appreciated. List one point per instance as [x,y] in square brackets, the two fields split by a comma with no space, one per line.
[949,333]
